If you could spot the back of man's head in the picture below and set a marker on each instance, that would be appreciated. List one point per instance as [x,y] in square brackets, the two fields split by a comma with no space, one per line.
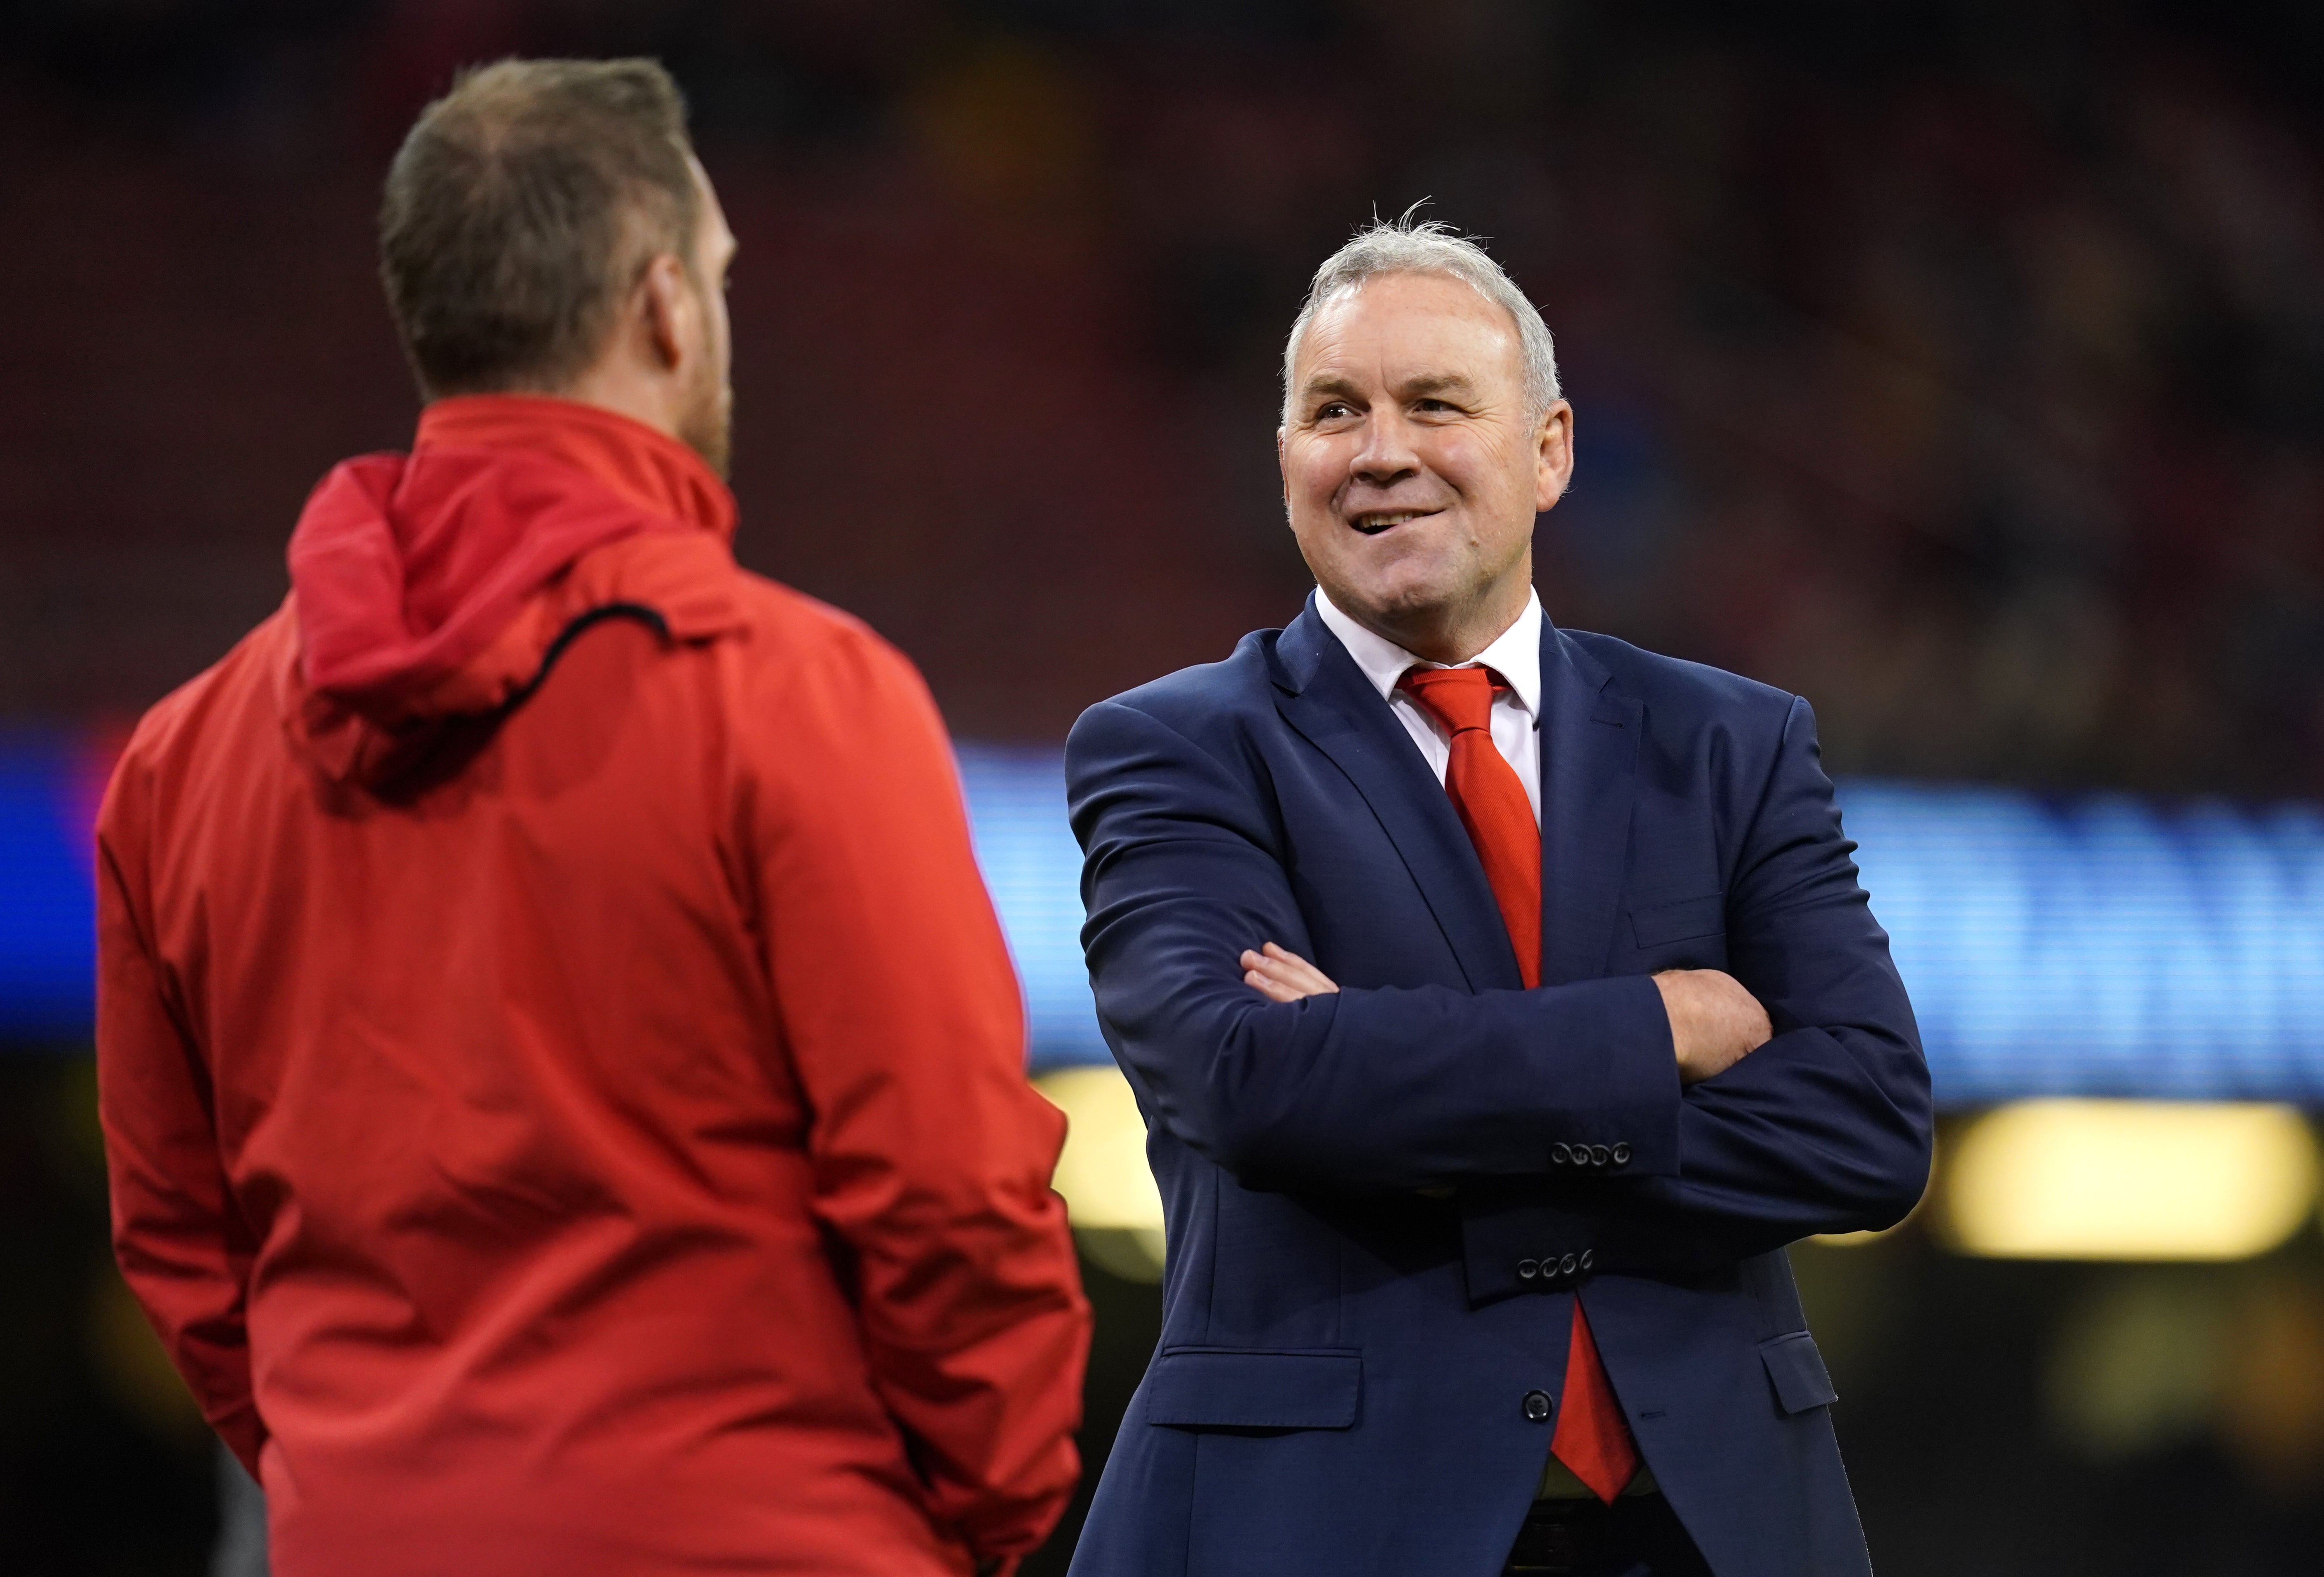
[521,210]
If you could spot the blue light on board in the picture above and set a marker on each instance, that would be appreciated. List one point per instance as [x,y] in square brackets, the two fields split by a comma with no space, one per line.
[2101,946]
[48,922]
[2094,945]
[1033,868]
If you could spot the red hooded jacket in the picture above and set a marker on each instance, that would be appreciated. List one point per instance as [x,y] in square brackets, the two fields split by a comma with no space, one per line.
[562,1076]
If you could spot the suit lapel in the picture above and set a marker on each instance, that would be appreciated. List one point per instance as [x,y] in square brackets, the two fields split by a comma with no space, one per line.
[1589,736]
[1324,696]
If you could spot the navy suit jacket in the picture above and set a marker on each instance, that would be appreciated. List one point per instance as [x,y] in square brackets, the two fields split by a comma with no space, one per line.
[1383,1204]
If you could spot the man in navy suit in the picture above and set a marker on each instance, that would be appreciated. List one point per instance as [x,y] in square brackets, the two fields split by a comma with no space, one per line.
[1501,1000]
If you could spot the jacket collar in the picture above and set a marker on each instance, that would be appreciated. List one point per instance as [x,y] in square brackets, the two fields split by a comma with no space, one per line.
[1590,734]
[649,469]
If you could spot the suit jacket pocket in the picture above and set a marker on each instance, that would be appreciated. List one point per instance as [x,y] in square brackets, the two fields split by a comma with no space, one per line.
[1235,1387]
[1802,1382]
[1689,918]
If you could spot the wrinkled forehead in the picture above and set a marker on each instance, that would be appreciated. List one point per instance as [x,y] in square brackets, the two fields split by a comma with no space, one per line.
[1396,327]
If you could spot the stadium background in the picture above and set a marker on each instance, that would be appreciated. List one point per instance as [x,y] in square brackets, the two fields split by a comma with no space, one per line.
[1960,365]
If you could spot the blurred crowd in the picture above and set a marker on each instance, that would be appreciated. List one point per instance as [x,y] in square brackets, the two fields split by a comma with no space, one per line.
[1960,367]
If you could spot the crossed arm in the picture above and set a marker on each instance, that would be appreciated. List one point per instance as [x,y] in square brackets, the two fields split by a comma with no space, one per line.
[1715,1023]
[1249,1056]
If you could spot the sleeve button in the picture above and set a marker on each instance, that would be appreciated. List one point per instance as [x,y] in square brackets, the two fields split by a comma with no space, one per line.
[1537,1407]
[1528,1269]
[1585,1260]
[1559,1155]
[1599,1155]
[1567,1266]
[1622,1154]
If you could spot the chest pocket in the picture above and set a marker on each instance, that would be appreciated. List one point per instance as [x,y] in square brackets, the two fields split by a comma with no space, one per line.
[1660,925]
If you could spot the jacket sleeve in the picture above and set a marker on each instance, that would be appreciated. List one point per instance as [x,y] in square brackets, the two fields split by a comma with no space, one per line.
[932,1154]
[1826,1128]
[1363,1091]
[181,1244]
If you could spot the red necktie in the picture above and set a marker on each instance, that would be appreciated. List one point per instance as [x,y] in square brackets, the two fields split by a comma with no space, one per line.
[1592,1437]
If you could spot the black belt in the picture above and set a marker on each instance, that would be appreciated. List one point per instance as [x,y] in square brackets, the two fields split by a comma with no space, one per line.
[1567,1538]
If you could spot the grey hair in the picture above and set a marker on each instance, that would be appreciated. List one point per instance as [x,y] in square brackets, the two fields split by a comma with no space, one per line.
[1412,245]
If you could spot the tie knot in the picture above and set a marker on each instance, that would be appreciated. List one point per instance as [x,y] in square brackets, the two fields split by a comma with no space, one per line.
[1458,697]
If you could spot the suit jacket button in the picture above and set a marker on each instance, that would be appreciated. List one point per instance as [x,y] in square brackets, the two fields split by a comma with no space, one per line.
[1622,1154]
[1599,1155]
[1537,1407]
[1559,1155]
[1528,1269]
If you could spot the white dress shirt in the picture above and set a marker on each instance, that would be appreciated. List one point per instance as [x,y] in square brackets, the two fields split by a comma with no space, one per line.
[1515,655]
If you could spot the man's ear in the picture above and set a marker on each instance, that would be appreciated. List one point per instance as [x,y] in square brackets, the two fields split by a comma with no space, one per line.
[669,308]
[1553,455]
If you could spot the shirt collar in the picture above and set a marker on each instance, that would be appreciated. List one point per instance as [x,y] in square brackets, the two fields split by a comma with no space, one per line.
[1515,654]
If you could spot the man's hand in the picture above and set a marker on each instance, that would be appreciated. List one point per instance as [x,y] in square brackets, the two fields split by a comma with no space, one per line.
[1282,975]
[1714,1023]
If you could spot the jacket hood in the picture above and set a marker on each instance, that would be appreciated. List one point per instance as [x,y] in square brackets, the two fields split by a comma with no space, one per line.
[426,586]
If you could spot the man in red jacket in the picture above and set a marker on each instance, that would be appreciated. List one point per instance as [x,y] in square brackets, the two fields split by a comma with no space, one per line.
[561,1071]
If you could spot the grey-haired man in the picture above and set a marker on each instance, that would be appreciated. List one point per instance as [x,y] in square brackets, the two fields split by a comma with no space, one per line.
[1501,999]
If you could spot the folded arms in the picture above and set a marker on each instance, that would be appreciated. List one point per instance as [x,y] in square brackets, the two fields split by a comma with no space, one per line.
[1823,1127]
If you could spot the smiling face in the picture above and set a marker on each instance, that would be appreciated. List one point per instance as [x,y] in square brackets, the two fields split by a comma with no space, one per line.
[1411,468]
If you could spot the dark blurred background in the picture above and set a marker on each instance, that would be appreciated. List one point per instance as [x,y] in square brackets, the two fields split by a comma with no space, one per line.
[1958,364]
